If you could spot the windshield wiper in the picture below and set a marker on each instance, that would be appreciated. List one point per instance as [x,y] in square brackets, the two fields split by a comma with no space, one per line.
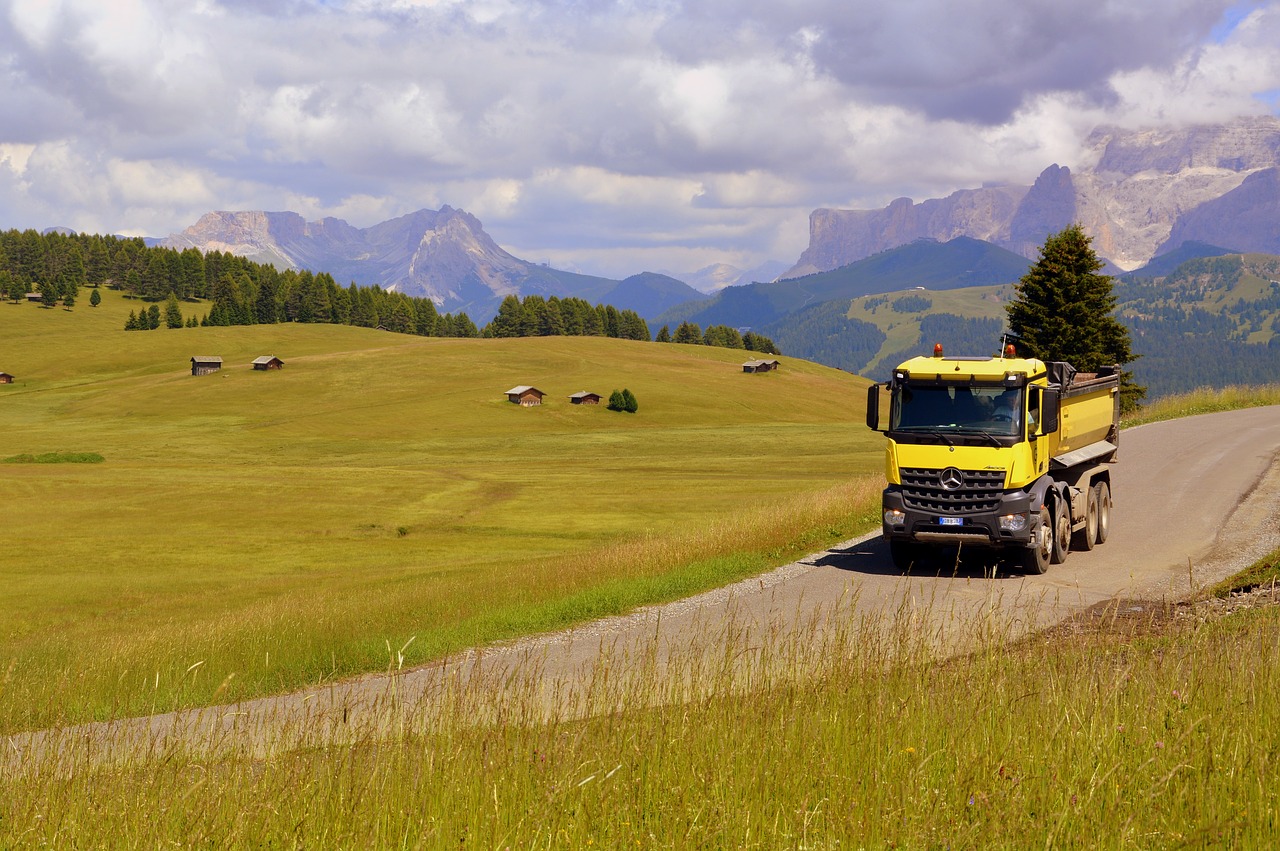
[995,441]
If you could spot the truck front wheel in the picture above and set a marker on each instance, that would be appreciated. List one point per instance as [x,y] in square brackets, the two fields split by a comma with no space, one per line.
[1036,557]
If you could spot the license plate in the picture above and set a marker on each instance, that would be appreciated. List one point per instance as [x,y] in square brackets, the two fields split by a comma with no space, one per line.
[950,521]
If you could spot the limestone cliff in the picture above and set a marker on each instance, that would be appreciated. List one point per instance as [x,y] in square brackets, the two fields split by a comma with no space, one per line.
[1137,193]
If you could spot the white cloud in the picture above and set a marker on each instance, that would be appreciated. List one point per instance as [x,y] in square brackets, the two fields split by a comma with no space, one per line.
[594,133]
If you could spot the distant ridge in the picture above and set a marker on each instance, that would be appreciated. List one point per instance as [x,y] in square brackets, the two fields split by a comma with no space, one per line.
[444,255]
[961,262]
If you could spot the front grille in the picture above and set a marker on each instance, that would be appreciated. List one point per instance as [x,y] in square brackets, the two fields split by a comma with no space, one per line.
[979,491]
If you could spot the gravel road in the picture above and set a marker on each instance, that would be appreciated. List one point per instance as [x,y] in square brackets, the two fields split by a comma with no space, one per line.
[1195,500]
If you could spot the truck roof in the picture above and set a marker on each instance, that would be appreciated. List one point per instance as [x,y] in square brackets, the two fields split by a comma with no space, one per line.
[966,369]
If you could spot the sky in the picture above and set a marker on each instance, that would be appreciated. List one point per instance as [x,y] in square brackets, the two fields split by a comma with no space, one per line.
[602,137]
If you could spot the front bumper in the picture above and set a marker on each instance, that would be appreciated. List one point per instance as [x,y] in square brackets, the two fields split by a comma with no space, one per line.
[961,528]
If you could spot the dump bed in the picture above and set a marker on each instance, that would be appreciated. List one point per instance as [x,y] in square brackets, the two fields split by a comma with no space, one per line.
[1090,413]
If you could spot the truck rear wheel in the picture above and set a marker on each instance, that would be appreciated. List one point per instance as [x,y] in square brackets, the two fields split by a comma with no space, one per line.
[904,554]
[1036,557]
[1103,491]
[1085,538]
[1061,531]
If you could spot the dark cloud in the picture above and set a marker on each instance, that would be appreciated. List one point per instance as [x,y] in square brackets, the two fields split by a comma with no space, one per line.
[964,61]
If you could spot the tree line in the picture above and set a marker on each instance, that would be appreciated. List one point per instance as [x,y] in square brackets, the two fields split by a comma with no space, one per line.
[536,316]
[718,335]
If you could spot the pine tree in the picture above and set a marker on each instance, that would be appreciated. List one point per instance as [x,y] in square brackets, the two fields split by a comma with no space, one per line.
[1064,311]
[616,401]
[131,324]
[153,316]
[172,311]
[95,298]
[629,403]
[664,335]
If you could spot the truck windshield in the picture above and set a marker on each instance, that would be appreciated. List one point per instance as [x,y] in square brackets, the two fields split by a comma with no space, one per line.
[992,409]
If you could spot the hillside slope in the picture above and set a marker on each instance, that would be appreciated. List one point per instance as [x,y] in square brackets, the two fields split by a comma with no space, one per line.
[379,487]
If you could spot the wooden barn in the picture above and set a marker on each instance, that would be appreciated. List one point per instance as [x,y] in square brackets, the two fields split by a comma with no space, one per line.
[6,378]
[766,365]
[524,396]
[35,296]
[582,397]
[268,362]
[203,365]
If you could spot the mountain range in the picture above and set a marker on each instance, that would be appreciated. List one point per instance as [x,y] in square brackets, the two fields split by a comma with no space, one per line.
[444,255]
[1137,193]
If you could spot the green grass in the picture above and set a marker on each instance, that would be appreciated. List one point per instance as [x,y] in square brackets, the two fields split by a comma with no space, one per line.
[1206,400]
[267,533]
[903,329]
[55,458]
[1125,733]
[378,487]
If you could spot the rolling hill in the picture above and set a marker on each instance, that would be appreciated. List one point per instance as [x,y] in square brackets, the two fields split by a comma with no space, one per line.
[284,526]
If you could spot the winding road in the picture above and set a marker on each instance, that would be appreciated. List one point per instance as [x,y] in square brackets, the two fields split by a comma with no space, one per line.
[1195,500]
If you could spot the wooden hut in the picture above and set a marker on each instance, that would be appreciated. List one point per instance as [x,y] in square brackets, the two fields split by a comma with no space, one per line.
[766,365]
[203,365]
[268,362]
[6,378]
[582,397]
[525,396]
[35,296]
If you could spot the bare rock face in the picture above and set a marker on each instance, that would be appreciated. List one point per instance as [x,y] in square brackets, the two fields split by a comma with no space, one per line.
[444,255]
[1137,193]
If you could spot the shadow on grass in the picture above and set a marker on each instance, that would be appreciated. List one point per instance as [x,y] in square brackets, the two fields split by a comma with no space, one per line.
[872,557]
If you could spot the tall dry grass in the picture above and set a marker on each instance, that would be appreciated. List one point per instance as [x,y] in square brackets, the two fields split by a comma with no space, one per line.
[1151,732]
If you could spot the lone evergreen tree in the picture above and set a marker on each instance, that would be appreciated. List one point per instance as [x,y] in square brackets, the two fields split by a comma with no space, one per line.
[95,298]
[1064,311]
[173,311]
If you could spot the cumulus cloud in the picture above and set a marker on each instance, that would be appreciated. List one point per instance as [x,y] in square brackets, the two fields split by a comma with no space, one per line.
[595,133]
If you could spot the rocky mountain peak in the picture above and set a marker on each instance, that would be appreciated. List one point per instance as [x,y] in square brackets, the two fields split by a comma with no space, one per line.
[1136,192]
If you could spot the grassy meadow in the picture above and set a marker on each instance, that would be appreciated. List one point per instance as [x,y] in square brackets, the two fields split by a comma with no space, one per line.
[176,540]
[1124,729]
[167,532]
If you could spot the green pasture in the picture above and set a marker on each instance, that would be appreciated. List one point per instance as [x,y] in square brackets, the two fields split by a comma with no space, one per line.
[274,529]
[903,329]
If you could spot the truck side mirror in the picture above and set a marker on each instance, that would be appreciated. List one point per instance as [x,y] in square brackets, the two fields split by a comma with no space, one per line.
[873,407]
[1050,406]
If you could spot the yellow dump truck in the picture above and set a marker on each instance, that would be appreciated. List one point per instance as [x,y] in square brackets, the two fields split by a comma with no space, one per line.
[1005,453]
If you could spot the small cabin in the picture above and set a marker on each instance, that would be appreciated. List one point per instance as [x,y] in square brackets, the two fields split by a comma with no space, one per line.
[524,396]
[203,365]
[6,378]
[35,297]
[582,397]
[767,365]
[268,362]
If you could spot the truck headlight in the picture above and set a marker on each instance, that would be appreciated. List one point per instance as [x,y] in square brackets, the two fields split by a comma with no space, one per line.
[894,517]
[1013,522]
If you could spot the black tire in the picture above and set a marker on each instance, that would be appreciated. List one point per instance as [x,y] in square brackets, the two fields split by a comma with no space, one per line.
[1061,531]
[1102,492]
[1036,558]
[904,554]
[1085,538]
